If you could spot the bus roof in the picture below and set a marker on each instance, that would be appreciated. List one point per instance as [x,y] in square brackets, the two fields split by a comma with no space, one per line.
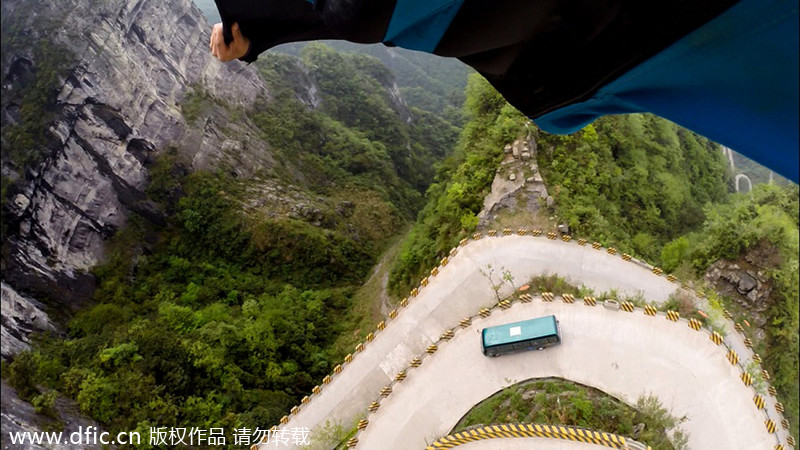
[513,332]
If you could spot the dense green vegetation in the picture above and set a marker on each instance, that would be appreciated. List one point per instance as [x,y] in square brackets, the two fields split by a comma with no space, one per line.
[763,222]
[426,81]
[634,182]
[358,135]
[462,182]
[227,315]
[560,402]
[213,321]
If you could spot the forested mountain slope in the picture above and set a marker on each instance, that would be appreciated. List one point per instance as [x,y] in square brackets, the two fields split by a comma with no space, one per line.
[195,230]
[646,187]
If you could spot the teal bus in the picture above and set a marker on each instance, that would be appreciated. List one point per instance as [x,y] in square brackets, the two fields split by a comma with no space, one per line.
[515,337]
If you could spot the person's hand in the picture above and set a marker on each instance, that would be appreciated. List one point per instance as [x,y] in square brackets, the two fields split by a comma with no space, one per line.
[237,48]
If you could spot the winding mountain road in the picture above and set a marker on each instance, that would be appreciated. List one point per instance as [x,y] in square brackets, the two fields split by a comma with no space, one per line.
[624,354]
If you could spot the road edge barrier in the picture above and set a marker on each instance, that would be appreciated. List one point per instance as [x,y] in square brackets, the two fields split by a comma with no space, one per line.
[526,297]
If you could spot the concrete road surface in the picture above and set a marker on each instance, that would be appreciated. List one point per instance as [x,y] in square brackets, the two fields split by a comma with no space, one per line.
[468,283]
[623,354]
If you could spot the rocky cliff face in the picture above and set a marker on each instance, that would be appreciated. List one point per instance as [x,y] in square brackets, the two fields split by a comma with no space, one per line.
[517,186]
[119,104]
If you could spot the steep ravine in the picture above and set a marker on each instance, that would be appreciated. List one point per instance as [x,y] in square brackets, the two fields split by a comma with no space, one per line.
[119,105]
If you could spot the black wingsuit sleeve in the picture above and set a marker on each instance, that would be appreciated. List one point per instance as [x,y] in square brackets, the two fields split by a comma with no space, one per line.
[268,23]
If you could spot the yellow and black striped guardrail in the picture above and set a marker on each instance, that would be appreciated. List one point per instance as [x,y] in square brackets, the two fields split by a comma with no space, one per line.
[535,430]
[738,327]
[566,238]
[759,401]
[447,335]
[785,425]
[547,296]
[772,391]
[748,343]
[789,439]
[770,424]
[747,379]
[765,374]
[362,424]
[352,442]
[733,357]
[779,407]
[400,376]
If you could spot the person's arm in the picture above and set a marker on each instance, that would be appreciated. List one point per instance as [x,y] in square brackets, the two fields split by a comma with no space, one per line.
[237,48]
[267,23]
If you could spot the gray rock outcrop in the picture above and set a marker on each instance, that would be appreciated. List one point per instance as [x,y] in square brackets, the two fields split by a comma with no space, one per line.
[517,185]
[119,104]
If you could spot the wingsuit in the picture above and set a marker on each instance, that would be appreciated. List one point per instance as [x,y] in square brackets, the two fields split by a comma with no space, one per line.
[726,69]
